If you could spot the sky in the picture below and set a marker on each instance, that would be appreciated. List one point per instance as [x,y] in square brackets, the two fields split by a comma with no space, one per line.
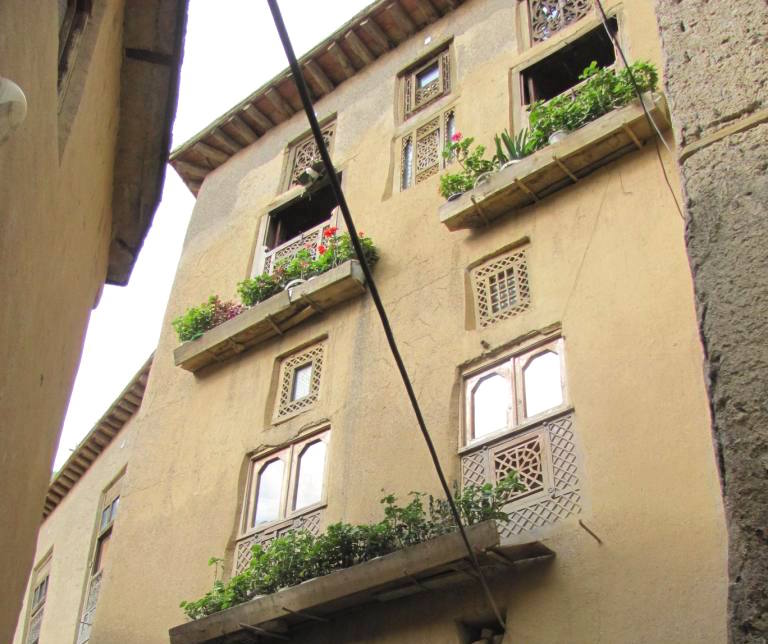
[231,49]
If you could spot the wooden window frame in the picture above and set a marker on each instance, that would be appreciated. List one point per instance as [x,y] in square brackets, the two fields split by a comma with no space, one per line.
[511,367]
[36,605]
[289,455]
[442,56]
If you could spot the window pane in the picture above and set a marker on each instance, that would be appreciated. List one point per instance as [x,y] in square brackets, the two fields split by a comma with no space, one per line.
[309,484]
[302,379]
[491,401]
[431,73]
[407,170]
[542,383]
[270,490]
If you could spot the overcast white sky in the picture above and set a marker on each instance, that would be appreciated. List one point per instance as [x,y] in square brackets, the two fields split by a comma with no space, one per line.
[231,49]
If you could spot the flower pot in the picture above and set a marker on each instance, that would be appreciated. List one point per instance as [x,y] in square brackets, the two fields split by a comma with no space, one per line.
[482,178]
[455,195]
[557,136]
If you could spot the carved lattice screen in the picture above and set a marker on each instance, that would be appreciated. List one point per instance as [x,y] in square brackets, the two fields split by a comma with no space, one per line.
[286,404]
[550,16]
[305,152]
[501,287]
[545,458]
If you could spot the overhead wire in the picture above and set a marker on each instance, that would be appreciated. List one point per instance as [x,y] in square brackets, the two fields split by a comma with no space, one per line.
[301,86]
[649,118]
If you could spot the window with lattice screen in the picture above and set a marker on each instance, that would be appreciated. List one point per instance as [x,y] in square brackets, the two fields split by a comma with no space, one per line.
[299,381]
[40,581]
[547,17]
[425,82]
[500,287]
[421,151]
[305,153]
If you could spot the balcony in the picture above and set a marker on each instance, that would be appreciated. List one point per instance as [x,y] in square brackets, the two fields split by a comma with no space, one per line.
[558,165]
[433,564]
[272,317]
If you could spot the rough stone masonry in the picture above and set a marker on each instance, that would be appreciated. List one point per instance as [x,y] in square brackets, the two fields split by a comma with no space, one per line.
[716,79]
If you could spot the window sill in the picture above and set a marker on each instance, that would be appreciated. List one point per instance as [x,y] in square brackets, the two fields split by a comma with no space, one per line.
[272,317]
[558,165]
[436,563]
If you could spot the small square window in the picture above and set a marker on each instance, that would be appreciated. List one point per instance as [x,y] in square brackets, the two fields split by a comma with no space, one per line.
[304,154]
[500,287]
[426,82]
[547,17]
[299,382]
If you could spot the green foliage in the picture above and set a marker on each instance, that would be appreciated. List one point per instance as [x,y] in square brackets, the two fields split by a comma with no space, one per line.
[334,250]
[198,319]
[512,148]
[602,90]
[472,162]
[299,555]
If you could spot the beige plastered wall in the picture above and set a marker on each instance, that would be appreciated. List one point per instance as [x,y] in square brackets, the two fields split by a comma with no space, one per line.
[69,534]
[55,224]
[606,261]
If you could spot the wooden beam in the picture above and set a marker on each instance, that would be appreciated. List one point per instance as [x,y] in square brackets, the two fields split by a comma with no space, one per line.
[427,9]
[318,76]
[358,47]
[244,131]
[279,103]
[226,141]
[262,121]
[211,154]
[195,186]
[341,58]
[401,19]
[376,34]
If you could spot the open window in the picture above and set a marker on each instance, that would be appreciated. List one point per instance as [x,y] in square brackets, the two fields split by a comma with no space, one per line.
[559,72]
[299,223]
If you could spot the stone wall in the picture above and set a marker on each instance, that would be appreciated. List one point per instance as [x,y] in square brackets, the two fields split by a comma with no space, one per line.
[717,83]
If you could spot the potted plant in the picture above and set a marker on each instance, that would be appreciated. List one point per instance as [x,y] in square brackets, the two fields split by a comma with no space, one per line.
[512,149]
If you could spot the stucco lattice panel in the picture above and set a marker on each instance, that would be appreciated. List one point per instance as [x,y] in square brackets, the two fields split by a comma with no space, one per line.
[427,152]
[244,549]
[306,153]
[428,92]
[545,458]
[524,458]
[446,72]
[501,287]
[287,251]
[313,355]
[86,620]
[550,16]
[33,635]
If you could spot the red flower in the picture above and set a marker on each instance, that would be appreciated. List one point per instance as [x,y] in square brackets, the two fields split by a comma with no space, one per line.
[330,232]
[361,233]
[321,249]
[456,137]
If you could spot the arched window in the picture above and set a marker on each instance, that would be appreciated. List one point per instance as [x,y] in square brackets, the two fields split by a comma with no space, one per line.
[491,403]
[542,383]
[269,492]
[311,471]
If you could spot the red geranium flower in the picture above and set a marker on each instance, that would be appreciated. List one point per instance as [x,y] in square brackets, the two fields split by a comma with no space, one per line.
[456,137]
[361,233]
[321,249]
[330,232]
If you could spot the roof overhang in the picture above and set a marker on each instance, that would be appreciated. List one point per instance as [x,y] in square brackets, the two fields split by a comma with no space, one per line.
[370,34]
[153,42]
[98,439]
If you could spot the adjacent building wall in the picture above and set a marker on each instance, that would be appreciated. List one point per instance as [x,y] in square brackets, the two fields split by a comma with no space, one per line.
[717,81]
[69,534]
[55,227]
[606,262]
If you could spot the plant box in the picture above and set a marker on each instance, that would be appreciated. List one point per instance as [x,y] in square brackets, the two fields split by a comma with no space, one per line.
[558,165]
[272,317]
[433,564]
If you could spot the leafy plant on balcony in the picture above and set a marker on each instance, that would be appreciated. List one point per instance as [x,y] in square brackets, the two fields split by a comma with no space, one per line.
[299,555]
[601,91]
[334,250]
[472,162]
[198,319]
[512,148]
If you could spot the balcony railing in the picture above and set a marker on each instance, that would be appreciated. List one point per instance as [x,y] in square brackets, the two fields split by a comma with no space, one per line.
[309,239]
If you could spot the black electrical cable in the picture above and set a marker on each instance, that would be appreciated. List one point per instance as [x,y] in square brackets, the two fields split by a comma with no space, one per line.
[301,85]
[635,86]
